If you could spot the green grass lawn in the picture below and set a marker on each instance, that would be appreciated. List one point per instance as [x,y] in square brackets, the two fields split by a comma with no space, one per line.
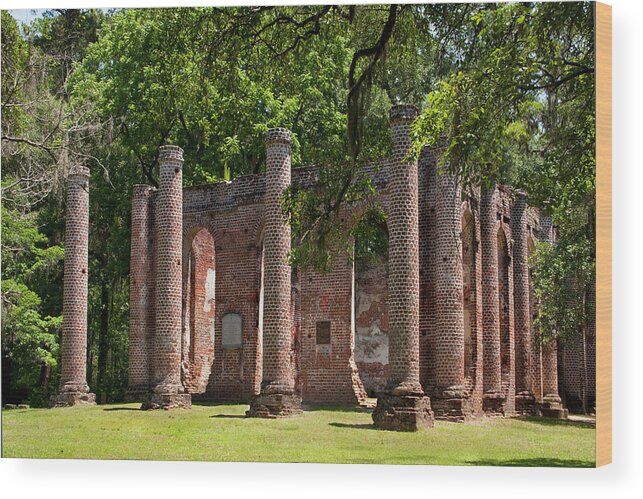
[324,435]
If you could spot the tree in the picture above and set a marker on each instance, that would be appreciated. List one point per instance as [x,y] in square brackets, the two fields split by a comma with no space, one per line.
[29,336]
[507,88]
[518,107]
[42,136]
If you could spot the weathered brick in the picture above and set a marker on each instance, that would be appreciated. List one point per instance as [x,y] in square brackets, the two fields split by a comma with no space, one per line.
[73,373]
[452,304]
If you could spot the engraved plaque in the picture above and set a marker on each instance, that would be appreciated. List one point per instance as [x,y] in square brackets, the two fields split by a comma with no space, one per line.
[231,331]
[323,333]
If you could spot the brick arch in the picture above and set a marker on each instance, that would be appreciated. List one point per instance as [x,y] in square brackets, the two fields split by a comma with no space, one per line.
[198,292]
[531,245]
[504,264]
[385,203]
[258,230]
[370,312]
[190,230]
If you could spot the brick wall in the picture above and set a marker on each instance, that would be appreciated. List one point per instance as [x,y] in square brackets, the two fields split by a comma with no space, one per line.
[328,370]
[199,307]
[470,274]
[371,325]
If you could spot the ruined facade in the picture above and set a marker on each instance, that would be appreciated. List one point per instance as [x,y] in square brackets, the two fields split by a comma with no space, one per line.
[218,315]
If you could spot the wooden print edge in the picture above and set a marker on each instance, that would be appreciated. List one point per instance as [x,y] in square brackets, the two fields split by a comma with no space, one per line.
[603,34]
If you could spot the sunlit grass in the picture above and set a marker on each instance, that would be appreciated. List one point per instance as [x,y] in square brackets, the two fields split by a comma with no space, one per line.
[324,435]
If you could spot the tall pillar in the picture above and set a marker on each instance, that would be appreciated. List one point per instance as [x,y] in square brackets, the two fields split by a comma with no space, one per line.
[403,405]
[522,316]
[141,330]
[427,178]
[551,405]
[590,348]
[537,368]
[167,391]
[277,397]
[450,400]
[73,375]
[493,397]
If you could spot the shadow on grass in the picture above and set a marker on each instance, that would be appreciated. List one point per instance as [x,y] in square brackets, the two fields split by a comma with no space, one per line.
[229,416]
[122,409]
[332,408]
[360,426]
[557,422]
[206,403]
[539,462]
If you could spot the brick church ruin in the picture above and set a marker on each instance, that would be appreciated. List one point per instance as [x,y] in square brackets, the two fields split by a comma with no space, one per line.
[441,328]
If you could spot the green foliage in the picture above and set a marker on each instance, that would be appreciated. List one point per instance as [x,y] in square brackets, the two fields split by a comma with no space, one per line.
[563,275]
[518,107]
[371,237]
[29,337]
[321,227]
[508,90]
[15,56]
[153,72]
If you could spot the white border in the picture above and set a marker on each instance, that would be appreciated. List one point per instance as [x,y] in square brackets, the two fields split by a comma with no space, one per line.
[109,479]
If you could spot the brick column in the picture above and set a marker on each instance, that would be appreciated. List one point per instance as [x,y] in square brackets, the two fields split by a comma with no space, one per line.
[450,399]
[141,330]
[590,348]
[167,390]
[277,397]
[493,398]
[427,178]
[73,375]
[551,405]
[522,316]
[404,405]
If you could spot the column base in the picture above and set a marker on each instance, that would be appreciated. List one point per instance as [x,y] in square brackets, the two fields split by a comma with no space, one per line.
[167,401]
[456,410]
[70,399]
[526,404]
[552,407]
[274,405]
[403,413]
[494,404]
[452,404]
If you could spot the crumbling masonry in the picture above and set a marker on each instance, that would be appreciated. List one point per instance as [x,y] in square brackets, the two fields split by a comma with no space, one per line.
[441,328]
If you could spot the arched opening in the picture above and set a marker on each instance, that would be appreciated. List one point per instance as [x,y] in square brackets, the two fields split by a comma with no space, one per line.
[199,283]
[468,292]
[503,300]
[370,297]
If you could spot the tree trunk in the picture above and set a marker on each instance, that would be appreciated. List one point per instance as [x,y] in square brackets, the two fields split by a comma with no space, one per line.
[45,375]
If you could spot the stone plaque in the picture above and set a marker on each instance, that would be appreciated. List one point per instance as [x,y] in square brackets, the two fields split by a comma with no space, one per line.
[323,332]
[231,331]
